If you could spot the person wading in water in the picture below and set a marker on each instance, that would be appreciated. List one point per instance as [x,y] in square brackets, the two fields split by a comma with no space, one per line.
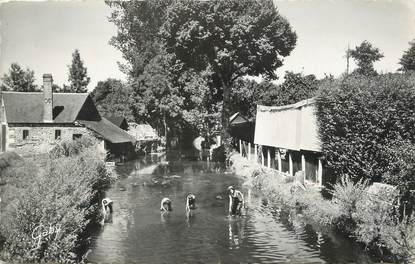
[165,205]
[190,204]
[236,201]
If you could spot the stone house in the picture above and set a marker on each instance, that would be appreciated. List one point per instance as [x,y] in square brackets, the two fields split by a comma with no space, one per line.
[33,122]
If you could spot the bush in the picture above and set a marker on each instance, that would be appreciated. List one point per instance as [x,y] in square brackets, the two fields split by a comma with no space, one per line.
[346,194]
[357,116]
[378,225]
[62,200]
[401,171]
[72,147]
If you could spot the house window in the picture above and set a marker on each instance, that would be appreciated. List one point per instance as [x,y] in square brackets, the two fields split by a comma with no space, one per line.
[57,134]
[76,136]
[25,134]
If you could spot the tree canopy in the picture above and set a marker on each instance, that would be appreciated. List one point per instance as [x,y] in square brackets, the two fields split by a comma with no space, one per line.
[112,98]
[18,79]
[198,49]
[78,77]
[138,39]
[246,94]
[230,38]
[365,55]
[407,60]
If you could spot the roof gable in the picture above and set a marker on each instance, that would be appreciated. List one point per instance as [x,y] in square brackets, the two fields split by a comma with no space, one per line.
[119,121]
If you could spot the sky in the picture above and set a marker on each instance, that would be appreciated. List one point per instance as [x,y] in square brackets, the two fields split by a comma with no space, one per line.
[43,35]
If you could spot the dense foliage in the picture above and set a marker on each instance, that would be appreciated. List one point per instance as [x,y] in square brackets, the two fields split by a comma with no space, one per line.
[247,94]
[19,80]
[407,60]
[78,76]
[60,201]
[211,43]
[112,98]
[400,172]
[358,116]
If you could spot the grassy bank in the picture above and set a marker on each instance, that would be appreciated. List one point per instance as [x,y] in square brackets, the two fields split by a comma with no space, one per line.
[354,209]
[45,211]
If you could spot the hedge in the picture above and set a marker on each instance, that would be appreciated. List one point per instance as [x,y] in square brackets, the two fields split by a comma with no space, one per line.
[359,117]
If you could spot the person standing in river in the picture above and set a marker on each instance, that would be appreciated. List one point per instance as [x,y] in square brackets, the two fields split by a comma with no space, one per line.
[236,201]
[165,205]
[190,204]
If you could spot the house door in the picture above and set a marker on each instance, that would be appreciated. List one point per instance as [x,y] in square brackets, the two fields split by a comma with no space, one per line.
[3,138]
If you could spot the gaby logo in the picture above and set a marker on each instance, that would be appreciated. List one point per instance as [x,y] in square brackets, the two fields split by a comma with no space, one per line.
[42,231]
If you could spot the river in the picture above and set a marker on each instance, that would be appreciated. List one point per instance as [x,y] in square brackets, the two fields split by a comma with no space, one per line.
[139,233]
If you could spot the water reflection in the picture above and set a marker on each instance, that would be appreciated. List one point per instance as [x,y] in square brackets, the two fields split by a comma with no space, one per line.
[236,232]
[264,234]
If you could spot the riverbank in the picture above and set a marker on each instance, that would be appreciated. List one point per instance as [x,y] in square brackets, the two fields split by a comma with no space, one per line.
[47,205]
[352,210]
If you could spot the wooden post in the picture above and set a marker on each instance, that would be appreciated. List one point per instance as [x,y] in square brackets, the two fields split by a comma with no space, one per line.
[255,153]
[279,161]
[290,163]
[249,150]
[240,147]
[303,164]
[262,157]
[320,173]
[268,157]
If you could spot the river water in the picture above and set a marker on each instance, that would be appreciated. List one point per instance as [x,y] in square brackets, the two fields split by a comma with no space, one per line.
[139,233]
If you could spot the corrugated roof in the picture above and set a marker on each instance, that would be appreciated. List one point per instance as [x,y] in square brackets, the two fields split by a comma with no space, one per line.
[24,107]
[108,131]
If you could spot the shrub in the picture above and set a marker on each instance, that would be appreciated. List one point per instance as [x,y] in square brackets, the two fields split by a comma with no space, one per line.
[64,196]
[72,147]
[346,194]
[378,224]
[400,171]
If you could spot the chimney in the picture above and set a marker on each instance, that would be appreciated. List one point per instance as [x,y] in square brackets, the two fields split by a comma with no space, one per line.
[47,98]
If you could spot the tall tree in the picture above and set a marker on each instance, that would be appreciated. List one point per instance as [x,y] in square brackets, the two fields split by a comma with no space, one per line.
[138,24]
[165,95]
[112,97]
[78,77]
[365,55]
[407,60]
[19,80]
[231,38]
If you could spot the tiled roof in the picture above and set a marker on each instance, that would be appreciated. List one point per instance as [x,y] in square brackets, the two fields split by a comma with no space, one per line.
[28,107]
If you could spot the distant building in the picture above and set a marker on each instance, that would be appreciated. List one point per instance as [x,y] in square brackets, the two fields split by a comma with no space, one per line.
[146,137]
[288,136]
[32,122]
[242,128]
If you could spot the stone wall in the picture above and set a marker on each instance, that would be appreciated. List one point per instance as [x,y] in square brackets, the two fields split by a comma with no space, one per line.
[40,139]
